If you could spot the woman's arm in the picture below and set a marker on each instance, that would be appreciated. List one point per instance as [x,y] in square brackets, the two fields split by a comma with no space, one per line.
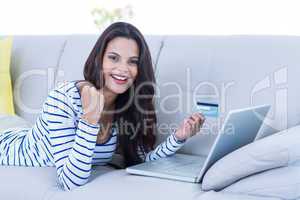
[176,139]
[72,147]
[166,148]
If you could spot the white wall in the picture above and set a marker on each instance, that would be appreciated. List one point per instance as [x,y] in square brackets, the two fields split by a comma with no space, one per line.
[209,17]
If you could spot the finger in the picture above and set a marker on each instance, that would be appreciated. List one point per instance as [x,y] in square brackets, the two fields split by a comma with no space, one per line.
[197,123]
[194,121]
[198,127]
[187,126]
[94,97]
[100,99]
[85,98]
[195,118]
[190,127]
[88,104]
[200,118]
[85,91]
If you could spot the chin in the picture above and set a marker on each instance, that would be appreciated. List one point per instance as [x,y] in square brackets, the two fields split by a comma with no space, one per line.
[118,89]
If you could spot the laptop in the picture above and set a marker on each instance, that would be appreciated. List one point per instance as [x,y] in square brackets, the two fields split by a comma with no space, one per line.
[191,168]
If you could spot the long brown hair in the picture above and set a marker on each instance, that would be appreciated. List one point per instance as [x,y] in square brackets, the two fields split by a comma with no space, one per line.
[139,111]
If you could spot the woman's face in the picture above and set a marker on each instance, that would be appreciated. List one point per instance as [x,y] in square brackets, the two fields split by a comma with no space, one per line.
[120,64]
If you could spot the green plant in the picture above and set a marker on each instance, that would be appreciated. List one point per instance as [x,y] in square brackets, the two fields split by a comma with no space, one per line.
[103,17]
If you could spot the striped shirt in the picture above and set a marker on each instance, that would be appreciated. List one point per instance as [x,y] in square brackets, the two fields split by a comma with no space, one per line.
[61,138]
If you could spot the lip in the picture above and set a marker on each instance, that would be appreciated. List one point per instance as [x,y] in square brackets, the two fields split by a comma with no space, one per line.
[120,82]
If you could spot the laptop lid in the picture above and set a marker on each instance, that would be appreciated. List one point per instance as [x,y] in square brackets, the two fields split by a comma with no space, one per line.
[239,128]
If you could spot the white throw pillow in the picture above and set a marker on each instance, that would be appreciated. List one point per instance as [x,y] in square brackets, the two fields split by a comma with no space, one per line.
[274,151]
[282,183]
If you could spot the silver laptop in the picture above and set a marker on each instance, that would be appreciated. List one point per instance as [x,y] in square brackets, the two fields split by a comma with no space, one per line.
[190,168]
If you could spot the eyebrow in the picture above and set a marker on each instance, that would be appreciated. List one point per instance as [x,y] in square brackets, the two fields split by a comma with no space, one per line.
[119,55]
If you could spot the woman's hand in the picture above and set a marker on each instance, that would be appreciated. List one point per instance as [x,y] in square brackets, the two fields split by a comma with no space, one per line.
[92,103]
[190,126]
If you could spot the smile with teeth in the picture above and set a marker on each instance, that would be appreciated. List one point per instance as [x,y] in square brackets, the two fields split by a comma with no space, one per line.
[119,77]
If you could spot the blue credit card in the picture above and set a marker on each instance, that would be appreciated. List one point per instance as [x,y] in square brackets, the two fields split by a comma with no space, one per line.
[208,109]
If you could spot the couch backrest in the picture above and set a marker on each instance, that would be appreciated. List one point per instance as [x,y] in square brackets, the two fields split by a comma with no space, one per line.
[34,63]
[41,62]
[234,71]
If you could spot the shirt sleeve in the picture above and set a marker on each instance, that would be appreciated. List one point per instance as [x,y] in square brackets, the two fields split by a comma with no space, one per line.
[72,146]
[167,148]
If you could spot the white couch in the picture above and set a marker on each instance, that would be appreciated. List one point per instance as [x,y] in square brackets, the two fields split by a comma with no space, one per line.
[247,70]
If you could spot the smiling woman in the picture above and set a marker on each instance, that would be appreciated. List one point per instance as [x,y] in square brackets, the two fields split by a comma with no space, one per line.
[85,122]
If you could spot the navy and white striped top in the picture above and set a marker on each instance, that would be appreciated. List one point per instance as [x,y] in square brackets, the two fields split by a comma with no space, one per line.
[62,139]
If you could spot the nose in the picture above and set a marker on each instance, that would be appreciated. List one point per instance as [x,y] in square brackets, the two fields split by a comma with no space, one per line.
[123,67]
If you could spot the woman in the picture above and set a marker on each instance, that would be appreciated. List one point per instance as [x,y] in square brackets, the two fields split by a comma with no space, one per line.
[83,122]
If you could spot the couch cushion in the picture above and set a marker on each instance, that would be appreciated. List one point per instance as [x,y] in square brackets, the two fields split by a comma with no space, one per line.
[277,150]
[34,64]
[35,182]
[212,195]
[118,184]
[26,182]
[104,182]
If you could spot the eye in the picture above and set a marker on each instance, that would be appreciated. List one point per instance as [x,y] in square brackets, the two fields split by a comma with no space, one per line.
[134,62]
[113,58]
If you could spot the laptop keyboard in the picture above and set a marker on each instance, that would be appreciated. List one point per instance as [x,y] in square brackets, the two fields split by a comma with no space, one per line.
[178,164]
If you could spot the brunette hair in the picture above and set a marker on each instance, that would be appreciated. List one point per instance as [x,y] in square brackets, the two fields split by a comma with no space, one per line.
[139,110]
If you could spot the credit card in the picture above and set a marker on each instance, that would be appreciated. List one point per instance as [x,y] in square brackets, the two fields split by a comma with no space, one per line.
[208,109]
